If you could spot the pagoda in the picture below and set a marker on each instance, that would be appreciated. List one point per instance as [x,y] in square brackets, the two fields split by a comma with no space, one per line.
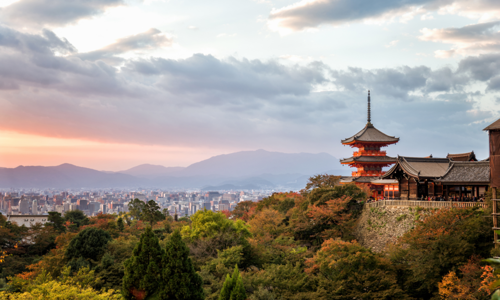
[369,159]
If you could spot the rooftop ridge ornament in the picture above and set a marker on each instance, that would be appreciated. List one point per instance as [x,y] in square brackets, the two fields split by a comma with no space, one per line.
[369,109]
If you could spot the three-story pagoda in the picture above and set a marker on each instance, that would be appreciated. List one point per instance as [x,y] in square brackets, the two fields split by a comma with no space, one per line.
[369,159]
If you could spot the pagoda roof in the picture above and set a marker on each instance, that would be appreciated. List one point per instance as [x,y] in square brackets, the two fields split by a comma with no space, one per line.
[365,179]
[370,134]
[467,172]
[369,159]
[493,126]
[420,167]
[469,156]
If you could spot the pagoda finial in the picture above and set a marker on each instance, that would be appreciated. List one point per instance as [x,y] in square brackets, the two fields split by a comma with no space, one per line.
[369,109]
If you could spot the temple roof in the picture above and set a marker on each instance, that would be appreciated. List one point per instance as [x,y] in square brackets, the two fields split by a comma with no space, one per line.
[420,167]
[369,159]
[494,126]
[347,179]
[467,172]
[370,134]
[469,156]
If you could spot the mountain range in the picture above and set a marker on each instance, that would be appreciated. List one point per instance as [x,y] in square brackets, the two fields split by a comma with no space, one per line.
[258,169]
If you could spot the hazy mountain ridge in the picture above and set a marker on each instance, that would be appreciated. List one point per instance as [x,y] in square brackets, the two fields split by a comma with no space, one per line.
[258,169]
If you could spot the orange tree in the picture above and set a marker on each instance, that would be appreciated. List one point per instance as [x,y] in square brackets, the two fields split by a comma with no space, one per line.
[326,212]
[441,243]
[346,270]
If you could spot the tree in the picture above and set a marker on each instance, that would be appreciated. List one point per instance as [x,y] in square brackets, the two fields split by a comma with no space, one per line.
[439,244]
[89,243]
[143,270]
[135,208]
[346,270]
[179,279]
[56,221]
[233,288]
[120,224]
[151,212]
[76,217]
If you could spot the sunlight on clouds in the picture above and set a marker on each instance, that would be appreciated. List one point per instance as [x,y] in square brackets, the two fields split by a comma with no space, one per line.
[89,35]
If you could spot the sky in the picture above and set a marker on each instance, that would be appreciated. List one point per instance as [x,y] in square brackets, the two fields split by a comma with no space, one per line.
[111,84]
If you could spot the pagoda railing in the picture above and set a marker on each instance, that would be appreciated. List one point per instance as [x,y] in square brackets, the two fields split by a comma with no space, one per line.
[369,153]
[425,204]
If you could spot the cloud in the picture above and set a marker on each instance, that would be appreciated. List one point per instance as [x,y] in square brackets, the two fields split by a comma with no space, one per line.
[308,14]
[392,44]
[222,102]
[149,40]
[54,13]
[468,40]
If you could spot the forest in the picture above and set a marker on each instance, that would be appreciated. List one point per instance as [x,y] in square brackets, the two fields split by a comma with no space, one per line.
[295,245]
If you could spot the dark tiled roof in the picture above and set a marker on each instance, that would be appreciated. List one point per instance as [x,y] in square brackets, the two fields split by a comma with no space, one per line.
[462,156]
[374,159]
[371,134]
[365,178]
[420,167]
[494,125]
[467,171]
[347,179]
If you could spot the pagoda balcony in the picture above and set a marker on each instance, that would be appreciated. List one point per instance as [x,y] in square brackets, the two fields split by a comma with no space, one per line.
[367,173]
[369,153]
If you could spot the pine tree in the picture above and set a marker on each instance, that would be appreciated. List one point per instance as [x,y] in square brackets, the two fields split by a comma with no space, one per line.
[233,288]
[120,224]
[179,279]
[143,270]
[239,292]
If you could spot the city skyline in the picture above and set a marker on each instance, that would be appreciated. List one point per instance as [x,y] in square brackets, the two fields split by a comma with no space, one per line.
[111,84]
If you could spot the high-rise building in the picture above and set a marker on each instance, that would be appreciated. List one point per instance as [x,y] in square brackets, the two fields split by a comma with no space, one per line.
[24,206]
[34,207]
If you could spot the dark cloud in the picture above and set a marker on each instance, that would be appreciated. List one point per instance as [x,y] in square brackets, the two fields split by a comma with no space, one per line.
[471,33]
[40,13]
[204,100]
[482,67]
[400,82]
[473,39]
[311,14]
[151,39]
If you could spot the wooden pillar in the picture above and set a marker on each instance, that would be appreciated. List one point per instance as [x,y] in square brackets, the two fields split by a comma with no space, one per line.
[408,192]
[460,195]
[495,221]
[447,193]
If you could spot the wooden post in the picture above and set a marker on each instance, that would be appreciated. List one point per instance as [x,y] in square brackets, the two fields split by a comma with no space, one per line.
[408,192]
[495,220]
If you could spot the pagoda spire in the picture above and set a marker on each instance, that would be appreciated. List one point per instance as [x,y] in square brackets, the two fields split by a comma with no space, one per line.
[369,109]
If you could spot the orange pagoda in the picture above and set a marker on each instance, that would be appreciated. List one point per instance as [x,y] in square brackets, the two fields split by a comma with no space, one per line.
[369,160]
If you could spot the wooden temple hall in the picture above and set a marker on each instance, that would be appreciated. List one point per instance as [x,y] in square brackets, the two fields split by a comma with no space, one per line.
[457,176]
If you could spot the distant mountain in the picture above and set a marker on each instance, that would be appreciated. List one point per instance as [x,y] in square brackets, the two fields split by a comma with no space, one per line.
[250,169]
[231,187]
[62,176]
[149,171]
[252,163]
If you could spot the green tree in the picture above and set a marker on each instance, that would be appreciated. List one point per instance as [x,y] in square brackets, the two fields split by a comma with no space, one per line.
[233,288]
[121,225]
[179,279]
[89,243]
[143,269]
[135,208]
[151,212]
[56,221]
[76,217]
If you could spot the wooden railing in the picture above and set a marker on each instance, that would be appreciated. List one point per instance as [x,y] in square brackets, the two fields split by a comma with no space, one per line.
[426,204]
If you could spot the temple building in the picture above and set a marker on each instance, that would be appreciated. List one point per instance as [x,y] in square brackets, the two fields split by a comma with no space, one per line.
[411,178]
[369,159]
